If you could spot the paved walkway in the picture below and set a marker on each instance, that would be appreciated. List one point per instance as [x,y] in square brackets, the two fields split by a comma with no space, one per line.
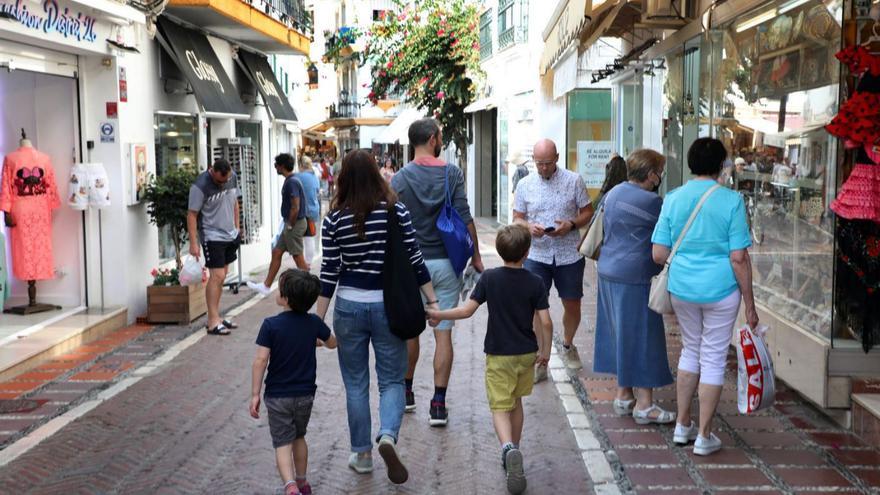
[185,429]
[791,448]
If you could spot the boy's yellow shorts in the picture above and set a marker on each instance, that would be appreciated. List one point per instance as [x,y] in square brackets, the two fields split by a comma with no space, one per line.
[509,378]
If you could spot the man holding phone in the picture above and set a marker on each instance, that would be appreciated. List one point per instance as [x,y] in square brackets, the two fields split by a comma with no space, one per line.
[554,204]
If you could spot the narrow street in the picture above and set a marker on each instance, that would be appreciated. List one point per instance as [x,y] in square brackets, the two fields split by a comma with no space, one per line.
[185,429]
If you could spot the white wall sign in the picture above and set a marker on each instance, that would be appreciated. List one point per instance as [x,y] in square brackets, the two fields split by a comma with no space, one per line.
[108,132]
[57,21]
[592,156]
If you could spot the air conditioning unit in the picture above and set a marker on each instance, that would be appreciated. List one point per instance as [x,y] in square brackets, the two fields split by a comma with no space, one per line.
[665,13]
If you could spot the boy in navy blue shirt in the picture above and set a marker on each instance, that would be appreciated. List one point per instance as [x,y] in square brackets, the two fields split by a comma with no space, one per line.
[286,343]
[515,298]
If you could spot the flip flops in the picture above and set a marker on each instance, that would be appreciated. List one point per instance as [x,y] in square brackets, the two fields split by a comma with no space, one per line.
[219,330]
[228,324]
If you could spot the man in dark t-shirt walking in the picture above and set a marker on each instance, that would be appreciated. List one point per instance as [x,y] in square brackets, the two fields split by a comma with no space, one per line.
[293,213]
[214,227]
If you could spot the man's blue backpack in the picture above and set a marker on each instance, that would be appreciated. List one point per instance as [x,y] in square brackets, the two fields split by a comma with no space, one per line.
[454,232]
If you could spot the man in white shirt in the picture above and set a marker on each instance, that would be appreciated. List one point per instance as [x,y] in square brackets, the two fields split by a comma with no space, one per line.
[554,204]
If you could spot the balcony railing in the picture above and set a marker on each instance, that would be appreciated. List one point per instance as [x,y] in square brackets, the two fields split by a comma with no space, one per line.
[293,13]
[511,37]
[485,50]
[345,110]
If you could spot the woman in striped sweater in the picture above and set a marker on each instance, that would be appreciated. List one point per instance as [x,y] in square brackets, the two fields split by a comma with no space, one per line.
[353,238]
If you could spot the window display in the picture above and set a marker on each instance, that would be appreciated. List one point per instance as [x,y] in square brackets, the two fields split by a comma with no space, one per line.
[589,135]
[28,194]
[774,86]
[176,146]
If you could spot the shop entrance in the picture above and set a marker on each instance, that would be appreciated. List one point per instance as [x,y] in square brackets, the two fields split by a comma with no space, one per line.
[45,106]
[486,152]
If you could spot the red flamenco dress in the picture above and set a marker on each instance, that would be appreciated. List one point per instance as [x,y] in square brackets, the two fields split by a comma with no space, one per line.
[28,191]
[857,124]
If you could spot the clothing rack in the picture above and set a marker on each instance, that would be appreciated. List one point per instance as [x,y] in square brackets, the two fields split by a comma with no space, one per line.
[242,157]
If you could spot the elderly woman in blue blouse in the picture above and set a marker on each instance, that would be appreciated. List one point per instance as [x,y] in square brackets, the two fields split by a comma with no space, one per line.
[630,340]
[708,277]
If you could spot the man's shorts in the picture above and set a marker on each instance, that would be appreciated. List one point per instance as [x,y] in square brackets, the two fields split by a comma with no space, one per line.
[508,378]
[569,279]
[288,418]
[219,254]
[447,286]
[290,239]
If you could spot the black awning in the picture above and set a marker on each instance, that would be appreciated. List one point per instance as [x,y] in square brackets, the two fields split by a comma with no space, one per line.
[193,54]
[258,69]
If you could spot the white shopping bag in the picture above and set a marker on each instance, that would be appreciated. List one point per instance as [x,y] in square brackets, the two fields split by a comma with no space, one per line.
[191,272]
[756,381]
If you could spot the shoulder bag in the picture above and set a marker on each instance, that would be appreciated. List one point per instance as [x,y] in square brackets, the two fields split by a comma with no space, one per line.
[659,298]
[400,287]
[454,233]
[591,244]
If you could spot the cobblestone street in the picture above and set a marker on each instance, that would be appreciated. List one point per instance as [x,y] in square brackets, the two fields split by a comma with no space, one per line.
[185,429]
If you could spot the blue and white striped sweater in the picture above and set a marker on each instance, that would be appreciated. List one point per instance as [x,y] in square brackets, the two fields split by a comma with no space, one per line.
[352,261]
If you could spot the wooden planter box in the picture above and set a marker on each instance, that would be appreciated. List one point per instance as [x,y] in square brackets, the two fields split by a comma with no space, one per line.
[176,303]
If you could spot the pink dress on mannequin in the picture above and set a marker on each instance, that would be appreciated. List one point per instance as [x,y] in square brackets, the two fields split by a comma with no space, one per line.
[28,190]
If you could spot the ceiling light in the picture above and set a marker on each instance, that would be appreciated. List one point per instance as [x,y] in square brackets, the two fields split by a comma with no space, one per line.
[791,5]
[172,134]
[756,20]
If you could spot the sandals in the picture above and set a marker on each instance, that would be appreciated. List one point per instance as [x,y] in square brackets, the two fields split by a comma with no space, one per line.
[624,407]
[644,416]
[228,324]
[219,330]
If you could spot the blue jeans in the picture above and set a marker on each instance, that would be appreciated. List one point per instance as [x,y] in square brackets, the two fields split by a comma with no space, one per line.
[355,325]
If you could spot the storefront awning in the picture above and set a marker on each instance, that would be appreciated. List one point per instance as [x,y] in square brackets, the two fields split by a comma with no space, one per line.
[398,131]
[564,28]
[607,21]
[480,105]
[258,69]
[193,54]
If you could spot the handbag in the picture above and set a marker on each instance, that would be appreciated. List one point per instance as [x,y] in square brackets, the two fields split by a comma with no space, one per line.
[454,233]
[591,244]
[311,228]
[400,287]
[659,298]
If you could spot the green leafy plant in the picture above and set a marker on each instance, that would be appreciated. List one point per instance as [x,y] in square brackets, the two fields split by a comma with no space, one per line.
[167,198]
[336,44]
[430,52]
[165,276]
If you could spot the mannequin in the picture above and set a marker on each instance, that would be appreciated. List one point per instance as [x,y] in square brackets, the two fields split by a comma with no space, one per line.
[28,189]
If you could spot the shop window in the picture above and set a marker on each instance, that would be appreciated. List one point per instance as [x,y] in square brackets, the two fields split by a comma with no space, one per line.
[775,86]
[176,142]
[253,130]
[589,135]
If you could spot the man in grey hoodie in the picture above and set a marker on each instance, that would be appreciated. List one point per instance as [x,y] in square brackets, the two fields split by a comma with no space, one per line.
[420,185]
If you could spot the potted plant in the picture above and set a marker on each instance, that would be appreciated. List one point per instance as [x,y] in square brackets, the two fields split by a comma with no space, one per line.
[167,199]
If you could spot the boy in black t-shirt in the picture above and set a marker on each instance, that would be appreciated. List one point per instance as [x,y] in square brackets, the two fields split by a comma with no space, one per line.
[512,348]
[286,343]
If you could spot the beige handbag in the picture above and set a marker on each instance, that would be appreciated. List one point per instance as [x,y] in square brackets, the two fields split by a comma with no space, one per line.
[592,241]
[659,298]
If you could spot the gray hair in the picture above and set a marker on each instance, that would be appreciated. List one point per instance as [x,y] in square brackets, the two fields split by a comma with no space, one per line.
[305,163]
[640,163]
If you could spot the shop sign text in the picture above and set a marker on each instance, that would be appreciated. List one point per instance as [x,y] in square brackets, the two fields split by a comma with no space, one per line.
[203,70]
[591,159]
[267,86]
[53,20]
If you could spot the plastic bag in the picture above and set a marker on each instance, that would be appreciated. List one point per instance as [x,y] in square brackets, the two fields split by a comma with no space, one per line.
[756,381]
[191,272]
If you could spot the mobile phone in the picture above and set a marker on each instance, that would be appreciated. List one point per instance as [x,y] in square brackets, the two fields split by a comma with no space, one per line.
[547,230]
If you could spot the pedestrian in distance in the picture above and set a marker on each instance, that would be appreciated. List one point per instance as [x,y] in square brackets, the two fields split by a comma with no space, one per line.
[286,344]
[388,169]
[517,161]
[710,274]
[554,204]
[312,188]
[294,208]
[214,227]
[615,173]
[421,186]
[630,338]
[513,345]
[354,238]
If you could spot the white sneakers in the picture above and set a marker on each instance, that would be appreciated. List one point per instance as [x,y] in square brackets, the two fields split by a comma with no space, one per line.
[702,445]
[706,446]
[571,358]
[685,434]
[260,287]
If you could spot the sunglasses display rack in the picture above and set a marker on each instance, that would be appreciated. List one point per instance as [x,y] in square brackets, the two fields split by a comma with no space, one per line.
[241,155]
